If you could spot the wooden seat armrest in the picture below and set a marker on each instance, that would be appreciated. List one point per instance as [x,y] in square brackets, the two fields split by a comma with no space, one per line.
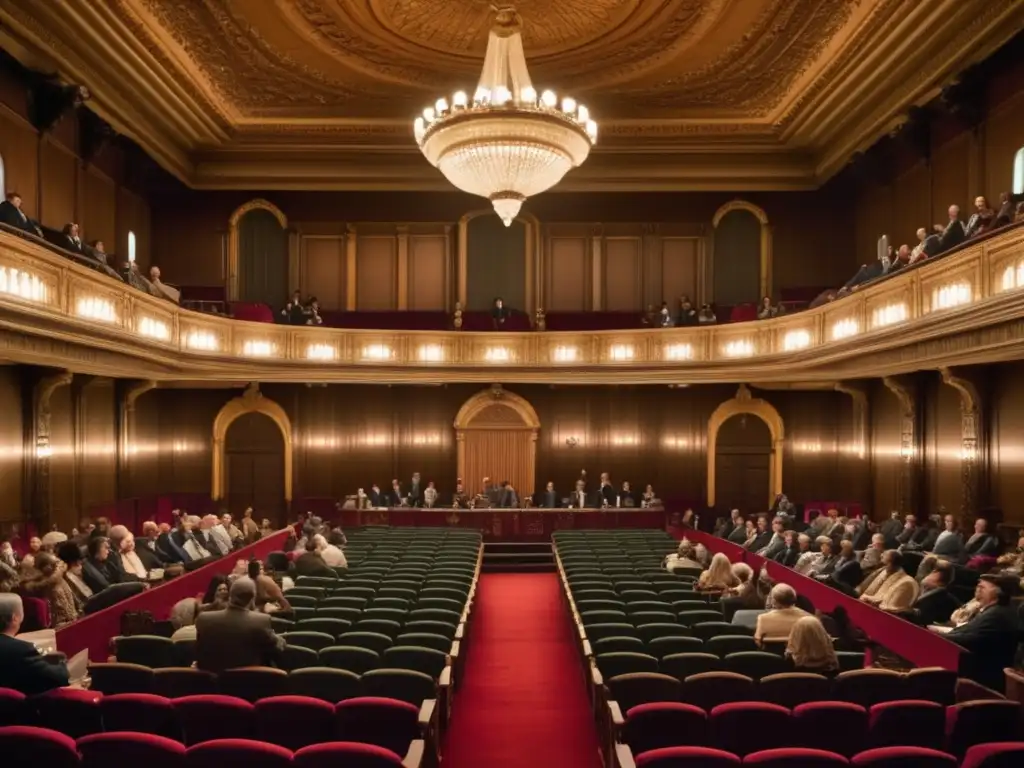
[426,716]
[454,652]
[446,677]
[616,712]
[624,756]
[583,632]
[414,757]
[588,652]
[595,677]
[460,631]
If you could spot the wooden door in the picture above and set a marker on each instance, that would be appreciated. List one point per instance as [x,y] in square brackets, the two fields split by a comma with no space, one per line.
[254,449]
[743,464]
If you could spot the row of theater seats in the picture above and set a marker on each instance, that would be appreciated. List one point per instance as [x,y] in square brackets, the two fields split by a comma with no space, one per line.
[29,747]
[292,722]
[846,729]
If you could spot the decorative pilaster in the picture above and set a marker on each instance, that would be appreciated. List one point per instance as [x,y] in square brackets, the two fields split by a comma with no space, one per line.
[402,242]
[126,435]
[597,270]
[41,414]
[905,391]
[350,267]
[861,413]
[972,442]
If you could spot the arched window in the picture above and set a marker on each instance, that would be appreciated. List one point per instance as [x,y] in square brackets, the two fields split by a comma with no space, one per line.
[131,246]
[1018,172]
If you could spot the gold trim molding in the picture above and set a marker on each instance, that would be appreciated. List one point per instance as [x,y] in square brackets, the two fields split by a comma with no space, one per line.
[256,204]
[251,401]
[744,403]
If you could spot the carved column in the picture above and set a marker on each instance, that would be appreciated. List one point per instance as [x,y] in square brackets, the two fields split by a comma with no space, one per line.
[402,242]
[972,443]
[131,392]
[351,243]
[42,450]
[860,433]
[906,484]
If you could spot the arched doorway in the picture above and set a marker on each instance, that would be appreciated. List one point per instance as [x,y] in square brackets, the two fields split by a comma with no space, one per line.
[742,263]
[252,455]
[496,433]
[745,449]
[258,254]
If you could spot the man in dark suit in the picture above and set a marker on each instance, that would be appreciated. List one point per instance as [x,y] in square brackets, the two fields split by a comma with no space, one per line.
[236,636]
[579,499]
[548,498]
[22,668]
[738,535]
[12,215]
[72,240]
[890,529]
[606,490]
[936,603]
[395,495]
[311,563]
[982,543]
[954,233]
[499,314]
[509,497]
[764,536]
[415,491]
[991,636]
[377,497]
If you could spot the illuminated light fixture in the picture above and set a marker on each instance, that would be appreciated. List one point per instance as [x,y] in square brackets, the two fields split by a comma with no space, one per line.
[678,352]
[43,449]
[1013,277]
[21,285]
[507,144]
[325,352]
[795,340]
[621,352]
[374,439]
[96,309]
[431,353]
[154,329]
[808,446]
[253,348]
[888,315]
[426,439]
[625,440]
[675,442]
[563,354]
[202,341]
[949,296]
[497,355]
[377,352]
[739,348]
[844,329]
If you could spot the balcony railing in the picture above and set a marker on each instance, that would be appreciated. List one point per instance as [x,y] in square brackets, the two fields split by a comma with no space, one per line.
[35,281]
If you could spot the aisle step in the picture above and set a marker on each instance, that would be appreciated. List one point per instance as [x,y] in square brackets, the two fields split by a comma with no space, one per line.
[518,557]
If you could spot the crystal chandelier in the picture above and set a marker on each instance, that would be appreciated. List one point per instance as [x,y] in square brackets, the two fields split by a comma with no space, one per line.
[508,143]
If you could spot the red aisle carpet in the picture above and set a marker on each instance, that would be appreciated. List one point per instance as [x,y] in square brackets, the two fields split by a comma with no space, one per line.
[522,703]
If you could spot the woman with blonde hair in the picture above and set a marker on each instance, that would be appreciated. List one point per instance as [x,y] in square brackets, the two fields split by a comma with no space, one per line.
[810,648]
[719,575]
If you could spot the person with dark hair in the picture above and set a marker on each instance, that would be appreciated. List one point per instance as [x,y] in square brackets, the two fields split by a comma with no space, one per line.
[311,562]
[94,569]
[46,581]
[936,603]
[499,314]
[12,215]
[269,597]
[991,635]
[216,596]
[890,588]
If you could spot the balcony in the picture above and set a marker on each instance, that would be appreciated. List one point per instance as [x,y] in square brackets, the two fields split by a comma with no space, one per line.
[962,308]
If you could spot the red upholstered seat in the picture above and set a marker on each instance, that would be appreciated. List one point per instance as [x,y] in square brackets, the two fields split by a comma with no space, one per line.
[909,723]
[348,754]
[795,757]
[253,683]
[140,713]
[836,726]
[375,720]
[932,684]
[980,722]
[904,757]
[71,711]
[868,687]
[37,614]
[665,724]
[294,722]
[143,750]
[749,726]
[24,746]
[220,753]
[686,757]
[13,709]
[207,718]
[1001,754]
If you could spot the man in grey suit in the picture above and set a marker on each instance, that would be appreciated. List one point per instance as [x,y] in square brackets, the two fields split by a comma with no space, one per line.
[236,636]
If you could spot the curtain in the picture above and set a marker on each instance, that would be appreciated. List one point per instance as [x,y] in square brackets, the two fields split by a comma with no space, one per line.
[500,454]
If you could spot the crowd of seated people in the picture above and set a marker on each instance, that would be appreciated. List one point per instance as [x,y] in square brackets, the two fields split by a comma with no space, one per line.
[686,315]
[929,573]
[93,254]
[100,564]
[299,312]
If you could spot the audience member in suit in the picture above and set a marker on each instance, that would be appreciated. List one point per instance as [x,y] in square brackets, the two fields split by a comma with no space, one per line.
[579,498]
[22,668]
[606,491]
[217,534]
[415,495]
[395,496]
[955,232]
[509,498]
[982,218]
[165,540]
[548,498]
[311,563]
[950,542]
[991,635]
[499,314]
[790,553]
[926,535]
[763,537]
[846,574]
[825,564]
[73,241]
[740,533]
[777,623]
[863,530]
[982,543]
[936,603]
[892,588]
[890,529]
[1007,204]
[12,215]
[236,636]
[778,541]
[626,496]
[150,549]
[377,497]
[871,558]
[910,530]
[95,571]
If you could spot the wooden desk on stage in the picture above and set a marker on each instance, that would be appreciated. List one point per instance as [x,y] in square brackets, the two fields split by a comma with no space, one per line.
[499,524]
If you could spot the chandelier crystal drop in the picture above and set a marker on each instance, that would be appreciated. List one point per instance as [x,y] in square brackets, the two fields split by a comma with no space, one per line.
[508,142]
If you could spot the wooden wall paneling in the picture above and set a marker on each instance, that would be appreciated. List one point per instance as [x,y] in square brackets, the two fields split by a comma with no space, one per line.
[427,271]
[98,211]
[1006,440]
[376,272]
[913,205]
[568,274]
[59,185]
[133,215]
[12,445]
[97,462]
[886,461]
[680,273]
[949,178]
[322,269]
[63,460]
[942,447]
[19,148]
[621,273]
[1002,139]
[813,466]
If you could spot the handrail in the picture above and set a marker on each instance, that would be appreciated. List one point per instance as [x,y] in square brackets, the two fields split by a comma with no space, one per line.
[37,282]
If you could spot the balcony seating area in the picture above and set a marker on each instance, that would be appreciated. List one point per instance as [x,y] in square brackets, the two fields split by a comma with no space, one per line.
[673,683]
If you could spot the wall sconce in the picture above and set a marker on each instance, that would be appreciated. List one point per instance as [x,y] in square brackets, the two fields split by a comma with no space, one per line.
[43,449]
[572,442]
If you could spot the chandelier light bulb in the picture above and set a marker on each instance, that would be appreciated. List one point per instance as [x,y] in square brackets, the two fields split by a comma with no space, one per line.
[482,95]
[502,95]
[592,130]
[441,105]
[568,105]
[582,114]
[460,99]
[528,95]
[419,128]
[549,99]
[428,114]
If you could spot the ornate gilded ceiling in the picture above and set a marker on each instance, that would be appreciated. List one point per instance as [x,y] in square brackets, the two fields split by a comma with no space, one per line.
[689,93]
